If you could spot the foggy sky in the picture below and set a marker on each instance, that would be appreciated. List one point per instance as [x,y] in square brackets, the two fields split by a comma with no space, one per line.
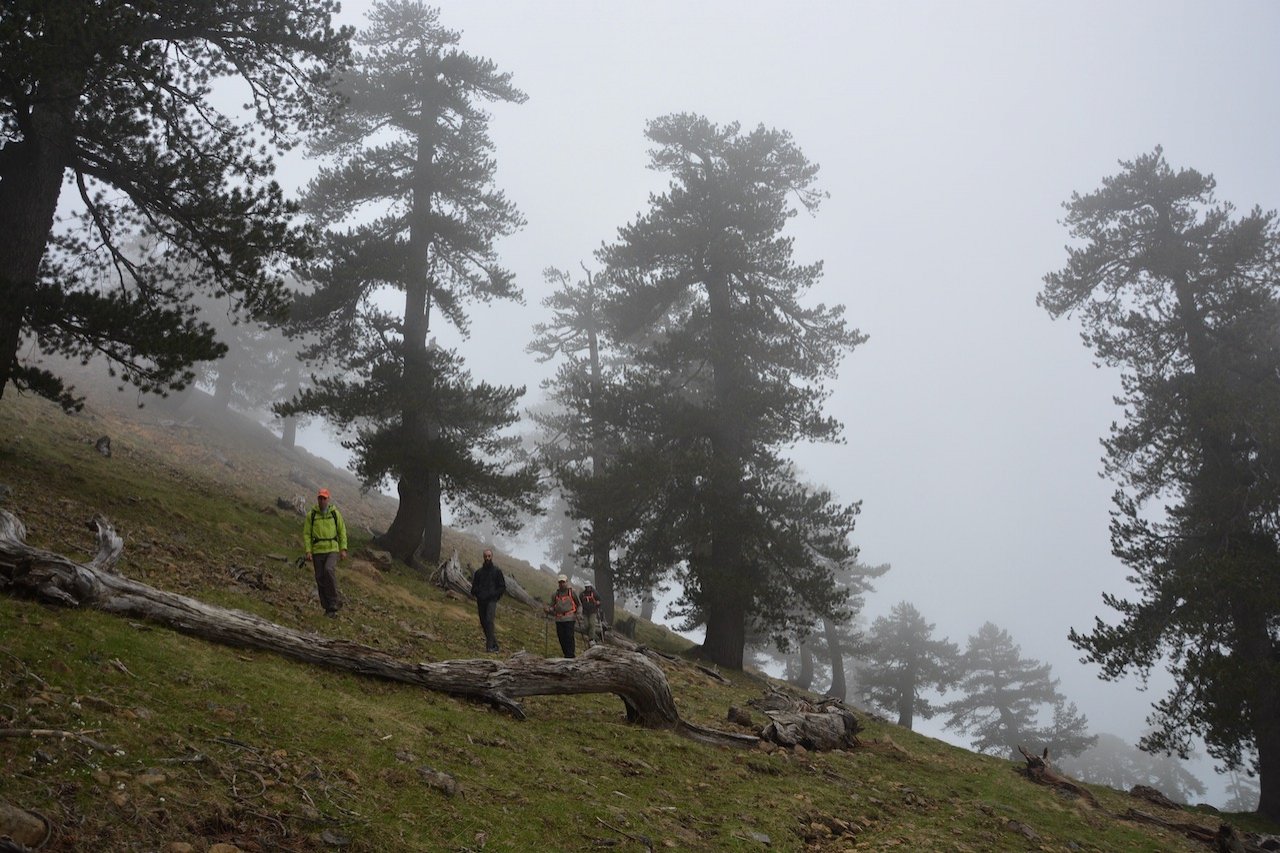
[948,134]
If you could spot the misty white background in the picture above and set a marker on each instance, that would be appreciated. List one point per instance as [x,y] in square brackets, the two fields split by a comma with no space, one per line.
[948,134]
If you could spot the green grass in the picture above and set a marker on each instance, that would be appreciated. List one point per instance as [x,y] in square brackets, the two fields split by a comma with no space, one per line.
[224,745]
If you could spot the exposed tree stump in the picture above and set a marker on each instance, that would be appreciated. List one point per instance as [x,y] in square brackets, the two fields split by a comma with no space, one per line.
[1040,770]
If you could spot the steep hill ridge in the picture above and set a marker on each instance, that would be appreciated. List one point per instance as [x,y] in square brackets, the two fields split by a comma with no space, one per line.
[178,744]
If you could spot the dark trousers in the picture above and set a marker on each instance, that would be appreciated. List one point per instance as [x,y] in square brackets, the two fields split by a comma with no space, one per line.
[488,610]
[564,633]
[326,566]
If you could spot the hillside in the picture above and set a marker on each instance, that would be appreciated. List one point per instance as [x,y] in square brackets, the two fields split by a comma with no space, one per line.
[185,745]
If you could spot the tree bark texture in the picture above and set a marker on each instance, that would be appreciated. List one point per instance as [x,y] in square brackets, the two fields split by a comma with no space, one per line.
[839,688]
[630,675]
[30,184]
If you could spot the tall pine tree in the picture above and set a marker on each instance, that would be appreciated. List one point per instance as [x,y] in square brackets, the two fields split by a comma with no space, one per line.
[411,208]
[1181,295]
[729,361]
[903,660]
[1004,697]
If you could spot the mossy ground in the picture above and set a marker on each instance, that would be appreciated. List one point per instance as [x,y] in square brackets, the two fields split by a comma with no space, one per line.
[219,745]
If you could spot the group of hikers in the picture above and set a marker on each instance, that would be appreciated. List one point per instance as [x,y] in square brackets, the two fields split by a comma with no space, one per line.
[324,540]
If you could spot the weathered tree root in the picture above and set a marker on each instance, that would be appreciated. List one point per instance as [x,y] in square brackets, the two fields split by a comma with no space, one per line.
[1039,770]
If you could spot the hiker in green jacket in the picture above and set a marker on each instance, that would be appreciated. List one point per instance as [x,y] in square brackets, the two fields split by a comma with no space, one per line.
[324,537]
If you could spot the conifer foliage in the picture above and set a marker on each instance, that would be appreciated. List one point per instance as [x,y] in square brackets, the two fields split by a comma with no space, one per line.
[114,98]
[411,209]
[1181,294]
[727,364]
[1005,696]
[903,661]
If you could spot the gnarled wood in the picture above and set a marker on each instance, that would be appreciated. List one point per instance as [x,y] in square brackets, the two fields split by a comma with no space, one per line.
[633,677]
[1040,770]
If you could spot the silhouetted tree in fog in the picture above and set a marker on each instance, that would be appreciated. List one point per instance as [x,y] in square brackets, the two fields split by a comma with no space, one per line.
[577,439]
[410,207]
[113,100]
[1114,762]
[1181,295]
[729,356]
[1004,696]
[903,660]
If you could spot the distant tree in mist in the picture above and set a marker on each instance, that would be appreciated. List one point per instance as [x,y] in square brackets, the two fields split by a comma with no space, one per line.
[1242,793]
[577,441]
[728,355]
[113,101]
[1183,296]
[1004,697]
[1115,762]
[903,660]
[410,208]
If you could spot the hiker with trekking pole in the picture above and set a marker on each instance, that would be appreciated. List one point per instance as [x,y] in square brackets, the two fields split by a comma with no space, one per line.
[593,615]
[564,608]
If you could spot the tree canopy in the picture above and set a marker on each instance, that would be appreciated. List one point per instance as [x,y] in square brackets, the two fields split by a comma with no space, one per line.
[1004,696]
[115,98]
[410,207]
[904,660]
[1180,293]
[728,361]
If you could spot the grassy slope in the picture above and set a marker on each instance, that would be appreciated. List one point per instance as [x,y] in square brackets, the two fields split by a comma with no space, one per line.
[222,745]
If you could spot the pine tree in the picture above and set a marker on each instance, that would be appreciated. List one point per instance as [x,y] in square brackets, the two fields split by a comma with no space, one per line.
[577,441]
[113,99]
[903,660]
[729,361]
[1004,696]
[410,207]
[1181,295]
[1113,762]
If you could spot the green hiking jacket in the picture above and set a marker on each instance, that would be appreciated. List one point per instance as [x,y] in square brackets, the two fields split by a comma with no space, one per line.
[324,533]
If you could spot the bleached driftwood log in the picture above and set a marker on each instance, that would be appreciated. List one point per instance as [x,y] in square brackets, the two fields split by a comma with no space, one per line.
[54,579]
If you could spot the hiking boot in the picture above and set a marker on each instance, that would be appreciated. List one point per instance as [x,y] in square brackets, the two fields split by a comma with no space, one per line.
[332,614]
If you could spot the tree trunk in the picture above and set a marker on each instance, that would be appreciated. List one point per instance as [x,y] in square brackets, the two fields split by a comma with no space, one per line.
[907,696]
[647,605]
[289,424]
[838,689]
[602,566]
[805,679]
[289,431]
[634,678]
[222,392]
[726,634]
[30,183]
[433,529]
[405,536]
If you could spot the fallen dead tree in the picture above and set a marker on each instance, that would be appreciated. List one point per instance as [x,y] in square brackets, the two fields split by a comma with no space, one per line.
[54,579]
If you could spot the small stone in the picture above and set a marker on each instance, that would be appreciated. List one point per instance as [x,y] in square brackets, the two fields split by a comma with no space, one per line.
[152,778]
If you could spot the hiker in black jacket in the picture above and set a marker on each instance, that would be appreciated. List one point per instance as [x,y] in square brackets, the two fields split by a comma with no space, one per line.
[488,585]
